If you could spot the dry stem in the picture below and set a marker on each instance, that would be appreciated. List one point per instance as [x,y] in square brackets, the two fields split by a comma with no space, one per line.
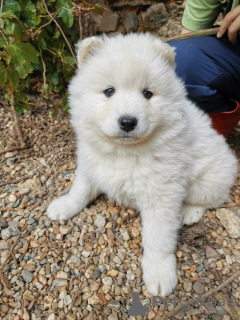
[200,33]
[22,143]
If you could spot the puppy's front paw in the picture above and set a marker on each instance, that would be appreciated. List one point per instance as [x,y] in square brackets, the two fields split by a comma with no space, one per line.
[192,214]
[159,274]
[62,208]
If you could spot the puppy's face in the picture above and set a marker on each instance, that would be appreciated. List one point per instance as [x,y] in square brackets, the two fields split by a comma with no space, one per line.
[125,88]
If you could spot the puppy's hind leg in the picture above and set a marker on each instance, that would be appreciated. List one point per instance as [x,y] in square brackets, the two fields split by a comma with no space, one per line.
[209,190]
[67,206]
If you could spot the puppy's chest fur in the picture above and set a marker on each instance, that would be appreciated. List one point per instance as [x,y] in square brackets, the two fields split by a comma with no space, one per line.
[134,179]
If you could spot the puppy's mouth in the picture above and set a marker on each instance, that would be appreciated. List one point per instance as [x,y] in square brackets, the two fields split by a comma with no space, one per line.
[127,138]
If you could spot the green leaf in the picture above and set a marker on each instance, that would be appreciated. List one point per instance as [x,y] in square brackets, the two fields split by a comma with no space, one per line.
[11,5]
[24,70]
[42,43]
[56,34]
[63,4]
[54,78]
[7,14]
[9,28]
[67,17]
[1,23]
[40,7]
[97,8]
[17,33]
[66,107]
[22,52]
[12,77]
[19,108]
[3,43]
[21,96]
[25,4]
[3,74]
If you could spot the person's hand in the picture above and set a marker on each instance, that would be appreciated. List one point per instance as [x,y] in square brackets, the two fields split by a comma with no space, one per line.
[184,30]
[231,24]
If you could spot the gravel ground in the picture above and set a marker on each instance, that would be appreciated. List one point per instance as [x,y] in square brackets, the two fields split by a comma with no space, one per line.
[88,267]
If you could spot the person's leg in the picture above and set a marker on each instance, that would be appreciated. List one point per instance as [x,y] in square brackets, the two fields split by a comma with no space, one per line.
[210,69]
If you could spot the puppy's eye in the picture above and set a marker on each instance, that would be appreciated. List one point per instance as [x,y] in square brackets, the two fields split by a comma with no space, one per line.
[109,92]
[147,94]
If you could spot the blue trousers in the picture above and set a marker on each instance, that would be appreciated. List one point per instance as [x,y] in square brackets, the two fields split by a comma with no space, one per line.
[210,69]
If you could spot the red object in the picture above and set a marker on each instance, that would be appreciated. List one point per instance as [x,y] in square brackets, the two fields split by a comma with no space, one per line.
[225,122]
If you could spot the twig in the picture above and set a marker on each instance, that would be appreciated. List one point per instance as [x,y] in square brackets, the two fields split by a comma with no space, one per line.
[44,68]
[22,285]
[4,36]
[130,217]
[230,205]
[10,252]
[1,9]
[80,26]
[31,124]
[12,150]
[22,143]
[74,299]
[15,181]
[70,48]
[205,295]
[206,32]
[44,25]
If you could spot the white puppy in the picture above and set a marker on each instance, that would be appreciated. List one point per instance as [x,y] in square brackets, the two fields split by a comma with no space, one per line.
[144,144]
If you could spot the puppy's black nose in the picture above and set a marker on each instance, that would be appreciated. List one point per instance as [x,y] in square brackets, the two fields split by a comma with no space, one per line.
[127,123]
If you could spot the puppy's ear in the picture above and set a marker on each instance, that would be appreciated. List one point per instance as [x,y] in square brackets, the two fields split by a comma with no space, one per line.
[166,51]
[87,47]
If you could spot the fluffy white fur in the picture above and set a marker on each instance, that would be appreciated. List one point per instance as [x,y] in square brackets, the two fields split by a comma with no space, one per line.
[171,167]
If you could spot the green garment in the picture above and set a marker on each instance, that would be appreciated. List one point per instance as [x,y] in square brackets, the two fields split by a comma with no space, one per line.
[201,14]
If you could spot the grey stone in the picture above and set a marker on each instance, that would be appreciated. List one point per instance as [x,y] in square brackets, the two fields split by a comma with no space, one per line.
[59,282]
[187,285]
[3,223]
[155,17]
[16,204]
[199,268]
[31,220]
[194,312]
[198,288]
[27,276]
[113,316]
[114,216]
[114,305]
[13,224]
[4,245]
[96,274]
[220,310]
[230,221]
[109,21]
[129,21]
[212,253]
[216,317]
[11,188]
[179,315]
[102,268]
[100,221]
[6,233]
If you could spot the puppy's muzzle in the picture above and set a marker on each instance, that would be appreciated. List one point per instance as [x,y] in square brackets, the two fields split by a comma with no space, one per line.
[127,123]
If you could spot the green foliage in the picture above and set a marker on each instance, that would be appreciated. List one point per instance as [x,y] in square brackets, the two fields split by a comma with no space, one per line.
[34,55]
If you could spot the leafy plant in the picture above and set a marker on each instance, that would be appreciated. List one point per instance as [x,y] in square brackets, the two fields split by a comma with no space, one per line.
[36,47]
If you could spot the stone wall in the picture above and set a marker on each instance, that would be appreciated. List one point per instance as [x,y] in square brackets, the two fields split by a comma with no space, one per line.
[124,16]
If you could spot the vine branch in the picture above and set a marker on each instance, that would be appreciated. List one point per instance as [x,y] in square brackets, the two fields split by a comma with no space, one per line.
[63,34]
